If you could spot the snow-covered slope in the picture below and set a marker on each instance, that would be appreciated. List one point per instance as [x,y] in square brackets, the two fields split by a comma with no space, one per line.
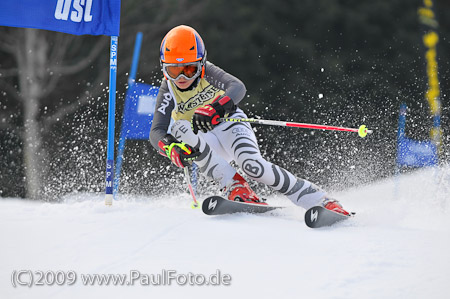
[397,246]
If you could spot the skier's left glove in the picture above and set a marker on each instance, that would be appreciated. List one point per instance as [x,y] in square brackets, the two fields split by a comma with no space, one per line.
[180,153]
[206,118]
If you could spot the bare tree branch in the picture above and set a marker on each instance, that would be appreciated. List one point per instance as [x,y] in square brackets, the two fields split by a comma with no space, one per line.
[8,72]
[8,42]
[71,108]
[82,64]
[63,44]
[50,87]
[11,90]
[59,49]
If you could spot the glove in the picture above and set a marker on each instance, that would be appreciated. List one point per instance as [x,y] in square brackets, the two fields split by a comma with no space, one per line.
[206,118]
[179,153]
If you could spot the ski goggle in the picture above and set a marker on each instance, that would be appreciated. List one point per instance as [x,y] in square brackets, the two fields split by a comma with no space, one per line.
[173,71]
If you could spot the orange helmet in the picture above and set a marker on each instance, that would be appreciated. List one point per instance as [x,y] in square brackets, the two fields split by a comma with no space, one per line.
[183,45]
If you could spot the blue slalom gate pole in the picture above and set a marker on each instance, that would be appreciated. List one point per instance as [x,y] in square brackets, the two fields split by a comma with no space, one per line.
[119,159]
[136,53]
[131,81]
[111,120]
[400,134]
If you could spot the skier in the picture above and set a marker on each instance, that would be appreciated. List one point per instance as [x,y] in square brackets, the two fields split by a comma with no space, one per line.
[195,93]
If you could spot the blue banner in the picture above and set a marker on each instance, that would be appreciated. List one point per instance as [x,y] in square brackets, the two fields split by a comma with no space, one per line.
[416,153]
[94,17]
[140,104]
[411,152]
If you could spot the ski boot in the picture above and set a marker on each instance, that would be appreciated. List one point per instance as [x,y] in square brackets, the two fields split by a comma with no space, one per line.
[239,190]
[335,206]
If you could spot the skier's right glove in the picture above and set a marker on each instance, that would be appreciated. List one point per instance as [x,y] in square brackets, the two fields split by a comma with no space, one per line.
[180,153]
[206,118]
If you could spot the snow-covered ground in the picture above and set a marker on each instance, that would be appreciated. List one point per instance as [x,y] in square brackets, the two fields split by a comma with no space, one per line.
[397,246]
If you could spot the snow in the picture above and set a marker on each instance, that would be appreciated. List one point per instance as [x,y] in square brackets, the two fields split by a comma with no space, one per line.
[396,247]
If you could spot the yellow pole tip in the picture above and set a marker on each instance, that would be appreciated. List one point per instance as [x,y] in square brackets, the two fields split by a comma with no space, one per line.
[362,131]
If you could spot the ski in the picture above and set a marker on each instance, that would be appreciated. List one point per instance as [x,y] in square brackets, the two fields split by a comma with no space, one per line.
[318,216]
[315,217]
[216,205]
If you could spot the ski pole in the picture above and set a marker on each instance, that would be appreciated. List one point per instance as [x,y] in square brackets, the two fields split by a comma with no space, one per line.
[362,130]
[195,204]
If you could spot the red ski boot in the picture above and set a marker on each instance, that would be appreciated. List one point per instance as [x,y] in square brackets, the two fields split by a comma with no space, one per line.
[335,206]
[239,190]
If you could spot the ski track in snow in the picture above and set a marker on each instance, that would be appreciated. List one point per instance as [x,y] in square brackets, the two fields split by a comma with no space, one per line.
[396,247]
